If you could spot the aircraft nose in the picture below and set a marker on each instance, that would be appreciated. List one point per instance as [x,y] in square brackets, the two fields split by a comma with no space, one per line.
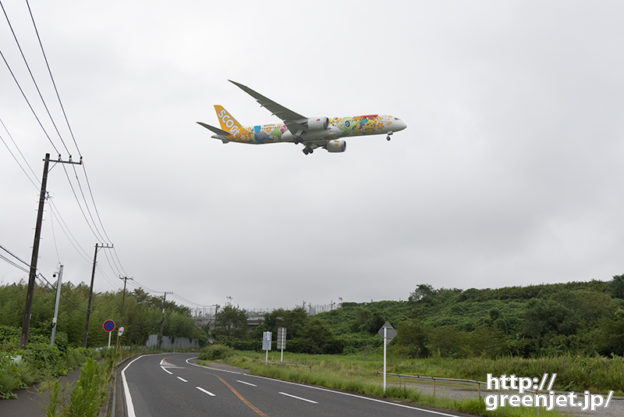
[400,124]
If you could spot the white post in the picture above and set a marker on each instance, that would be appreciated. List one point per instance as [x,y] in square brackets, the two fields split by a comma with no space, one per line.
[384,342]
[109,337]
[282,356]
[56,304]
[266,360]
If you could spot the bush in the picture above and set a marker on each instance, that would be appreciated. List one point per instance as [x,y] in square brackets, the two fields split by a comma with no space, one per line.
[43,357]
[213,352]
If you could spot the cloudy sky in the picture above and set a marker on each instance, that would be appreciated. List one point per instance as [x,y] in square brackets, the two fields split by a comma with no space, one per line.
[510,171]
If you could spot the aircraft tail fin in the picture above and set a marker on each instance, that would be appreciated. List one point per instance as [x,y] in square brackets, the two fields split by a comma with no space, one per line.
[228,122]
[214,129]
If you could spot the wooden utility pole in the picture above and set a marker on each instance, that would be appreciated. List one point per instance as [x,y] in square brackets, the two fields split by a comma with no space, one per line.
[86,330]
[123,298]
[35,250]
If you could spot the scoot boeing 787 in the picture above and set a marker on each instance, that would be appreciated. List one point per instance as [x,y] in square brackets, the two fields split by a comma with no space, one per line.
[311,132]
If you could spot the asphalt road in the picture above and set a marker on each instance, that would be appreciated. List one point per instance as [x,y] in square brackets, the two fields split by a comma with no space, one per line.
[173,385]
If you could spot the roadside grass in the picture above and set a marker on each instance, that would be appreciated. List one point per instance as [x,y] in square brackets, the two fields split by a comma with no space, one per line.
[357,373]
[360,378]
[574,373]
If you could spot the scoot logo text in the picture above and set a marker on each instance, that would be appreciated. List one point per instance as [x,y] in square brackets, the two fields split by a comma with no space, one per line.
[227,120]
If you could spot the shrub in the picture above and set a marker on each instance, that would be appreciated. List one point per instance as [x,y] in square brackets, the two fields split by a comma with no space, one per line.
[213,352]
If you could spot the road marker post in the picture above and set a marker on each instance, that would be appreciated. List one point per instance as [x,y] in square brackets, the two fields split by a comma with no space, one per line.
[119,333]
[388,333]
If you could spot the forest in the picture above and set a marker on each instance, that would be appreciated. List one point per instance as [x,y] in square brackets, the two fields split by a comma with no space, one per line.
[578,318]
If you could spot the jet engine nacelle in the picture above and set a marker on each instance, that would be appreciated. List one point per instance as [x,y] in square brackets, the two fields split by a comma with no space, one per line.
[317,123]
[337,145]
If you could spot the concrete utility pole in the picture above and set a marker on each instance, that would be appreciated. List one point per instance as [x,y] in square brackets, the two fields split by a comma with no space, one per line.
[123,298]
[35,251]
[86,330]
[162,318]
[56,304]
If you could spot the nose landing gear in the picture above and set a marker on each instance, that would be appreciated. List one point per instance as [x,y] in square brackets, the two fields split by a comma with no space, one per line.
[388,137]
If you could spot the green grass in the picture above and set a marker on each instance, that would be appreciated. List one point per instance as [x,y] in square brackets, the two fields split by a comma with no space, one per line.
[358,374]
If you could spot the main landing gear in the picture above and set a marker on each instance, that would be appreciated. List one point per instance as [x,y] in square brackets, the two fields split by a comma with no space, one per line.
[297,140]
[307,150]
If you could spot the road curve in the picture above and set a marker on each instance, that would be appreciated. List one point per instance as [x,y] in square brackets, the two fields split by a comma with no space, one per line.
[171,384]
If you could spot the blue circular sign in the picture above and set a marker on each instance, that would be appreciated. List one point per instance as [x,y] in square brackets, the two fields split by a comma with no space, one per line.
[109,325]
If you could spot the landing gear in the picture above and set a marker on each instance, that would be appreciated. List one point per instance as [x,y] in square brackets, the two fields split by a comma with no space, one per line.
[388,137]
[307,150]
[297,140]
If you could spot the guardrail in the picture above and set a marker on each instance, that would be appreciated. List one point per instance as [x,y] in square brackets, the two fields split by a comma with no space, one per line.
[439,379]
[465,381]
[296,364]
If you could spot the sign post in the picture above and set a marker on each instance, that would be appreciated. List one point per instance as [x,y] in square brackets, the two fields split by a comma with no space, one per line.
[119,333]
[266,344]
[281,341]
[388,333]
[109,326]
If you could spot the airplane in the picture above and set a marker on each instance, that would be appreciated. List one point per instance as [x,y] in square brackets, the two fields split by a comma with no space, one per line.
[311,132]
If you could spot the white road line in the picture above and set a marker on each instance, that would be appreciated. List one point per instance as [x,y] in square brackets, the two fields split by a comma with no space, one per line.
[208,367]
[424,410]
[246,383]
[129,404]
[182,379]
[206,392]
[355,396]
[170,373]
[299,398]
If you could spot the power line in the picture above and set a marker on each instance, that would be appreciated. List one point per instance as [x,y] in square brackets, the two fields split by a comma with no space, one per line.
[65,229]
[52,78]
[4,258]
[28,102]
[33,78]
[36,181]
[58,96]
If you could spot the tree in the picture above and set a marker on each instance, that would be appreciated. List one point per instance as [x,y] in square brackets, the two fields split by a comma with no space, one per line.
[315,337]
[230,323]
[424,292]
[617,286]
[415,337]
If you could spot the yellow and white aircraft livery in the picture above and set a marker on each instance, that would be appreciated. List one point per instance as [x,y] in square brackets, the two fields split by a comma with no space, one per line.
[312,132]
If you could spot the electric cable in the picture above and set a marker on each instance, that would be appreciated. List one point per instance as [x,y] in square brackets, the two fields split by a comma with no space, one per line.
[28,102]
[33,78]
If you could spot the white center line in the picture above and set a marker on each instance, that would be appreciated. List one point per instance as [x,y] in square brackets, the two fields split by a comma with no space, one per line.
[206,392]
[246,383]
[182,379]
[170,373]
[299,398]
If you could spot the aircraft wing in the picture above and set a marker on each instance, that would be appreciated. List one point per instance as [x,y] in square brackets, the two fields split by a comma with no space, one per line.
[293,120]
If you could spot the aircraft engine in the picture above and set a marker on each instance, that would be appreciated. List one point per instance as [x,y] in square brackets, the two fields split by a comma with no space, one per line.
[337,145]
[317,123]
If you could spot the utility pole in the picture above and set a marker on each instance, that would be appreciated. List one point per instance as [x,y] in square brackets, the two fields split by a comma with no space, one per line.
[35,250]
[56,303]
[86,330]
[123,298]
[162,318]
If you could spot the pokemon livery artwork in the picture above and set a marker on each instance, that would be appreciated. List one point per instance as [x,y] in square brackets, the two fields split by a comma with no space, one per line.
[313,132]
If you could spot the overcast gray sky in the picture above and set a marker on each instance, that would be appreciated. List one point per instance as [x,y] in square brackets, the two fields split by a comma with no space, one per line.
[510,171]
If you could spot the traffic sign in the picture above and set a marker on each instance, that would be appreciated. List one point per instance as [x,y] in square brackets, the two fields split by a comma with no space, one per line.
[281,338]
[266,341]
[390,332]
[109,325]
[120,331]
